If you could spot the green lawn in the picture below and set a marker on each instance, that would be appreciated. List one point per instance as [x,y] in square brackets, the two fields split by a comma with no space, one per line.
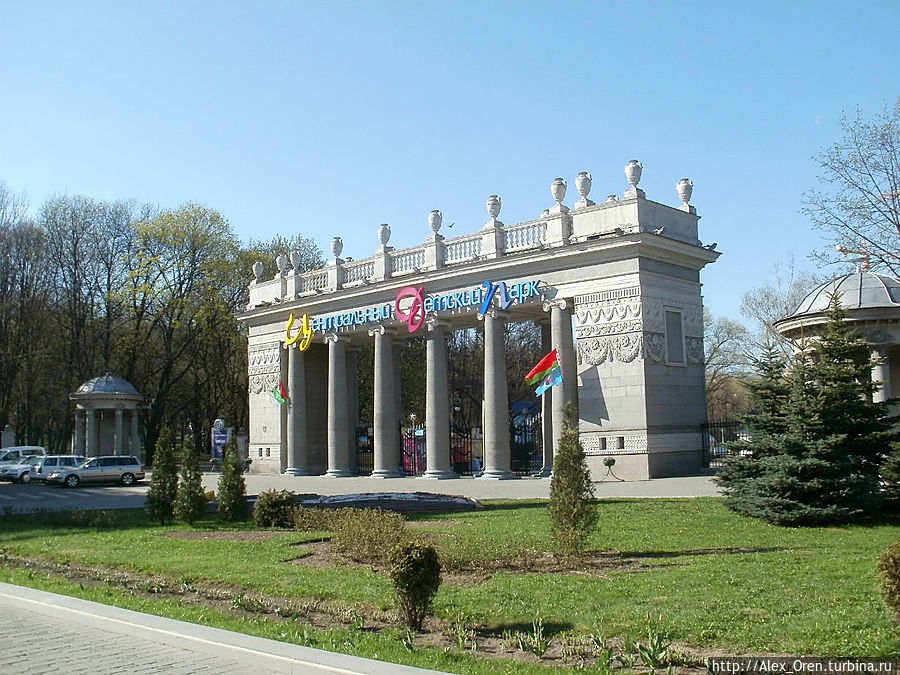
[710,579]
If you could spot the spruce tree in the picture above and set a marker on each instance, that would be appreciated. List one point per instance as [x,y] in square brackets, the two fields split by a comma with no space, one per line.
[572,511]
[163,480]
[825,466]
[190,503]
[232,490]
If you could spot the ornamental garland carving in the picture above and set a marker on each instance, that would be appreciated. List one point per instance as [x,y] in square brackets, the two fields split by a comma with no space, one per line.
[264,366]
[694,348]
[609,329]
[624,348]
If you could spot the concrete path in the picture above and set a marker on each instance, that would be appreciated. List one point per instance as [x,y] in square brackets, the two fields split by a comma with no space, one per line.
[525,488]
[48,633]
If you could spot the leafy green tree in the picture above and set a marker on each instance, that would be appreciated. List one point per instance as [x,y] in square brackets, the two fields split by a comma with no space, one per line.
[819,461]
[572,511]
[163,481]
[190,502]
[232,492]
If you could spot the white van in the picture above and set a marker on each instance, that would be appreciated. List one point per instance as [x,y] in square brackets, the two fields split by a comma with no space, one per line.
[16,452]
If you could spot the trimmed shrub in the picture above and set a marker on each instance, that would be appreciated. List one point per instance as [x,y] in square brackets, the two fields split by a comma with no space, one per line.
[190,501]
[314,519]
[572,511]
[367,535]
[232,502]
[889,566]
[275,508]
[163,480]
[416,576]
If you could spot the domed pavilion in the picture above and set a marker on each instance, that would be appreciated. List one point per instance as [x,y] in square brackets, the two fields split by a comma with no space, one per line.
[106,417]
[872,303]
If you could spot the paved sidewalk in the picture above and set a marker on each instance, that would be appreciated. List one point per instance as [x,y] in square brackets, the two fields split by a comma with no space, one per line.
[525,488]
[49,633]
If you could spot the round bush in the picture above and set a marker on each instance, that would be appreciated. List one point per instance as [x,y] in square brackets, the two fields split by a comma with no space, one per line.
[274,508]
[889,566]
[416,576]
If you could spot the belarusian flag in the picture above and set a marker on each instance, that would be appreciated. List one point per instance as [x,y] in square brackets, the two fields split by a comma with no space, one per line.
[543,368]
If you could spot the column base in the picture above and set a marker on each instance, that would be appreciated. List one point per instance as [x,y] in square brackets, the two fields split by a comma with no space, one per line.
[440,474]
[297,471]
[388,473]
[498,475]
[340,473]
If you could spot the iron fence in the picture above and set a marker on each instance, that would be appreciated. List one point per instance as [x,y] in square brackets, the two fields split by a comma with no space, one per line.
[715,436]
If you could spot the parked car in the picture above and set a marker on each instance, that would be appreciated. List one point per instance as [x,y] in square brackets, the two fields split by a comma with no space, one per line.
[15,453]
[50,463]
[20,471]
[122,469]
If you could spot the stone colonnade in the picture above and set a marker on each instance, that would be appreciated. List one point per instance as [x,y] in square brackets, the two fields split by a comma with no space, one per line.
[87,433]
[387,460]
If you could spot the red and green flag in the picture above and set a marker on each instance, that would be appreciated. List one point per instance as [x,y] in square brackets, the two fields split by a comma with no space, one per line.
[280,393]
[543,368]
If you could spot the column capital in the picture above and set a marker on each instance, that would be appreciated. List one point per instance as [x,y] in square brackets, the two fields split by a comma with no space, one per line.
[494,314]
[559,303]
[433,322]
[381,329]
[334,337]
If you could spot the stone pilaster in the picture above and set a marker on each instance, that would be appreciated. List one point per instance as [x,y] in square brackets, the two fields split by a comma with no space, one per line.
[91,433]
[297,427]
[79,447]
[135,438]
[338,418]
[496,399]
[387,431]
[437,402]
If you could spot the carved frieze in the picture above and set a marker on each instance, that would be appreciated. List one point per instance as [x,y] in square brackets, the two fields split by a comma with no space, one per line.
[694,348]
[624,348]
[264,366]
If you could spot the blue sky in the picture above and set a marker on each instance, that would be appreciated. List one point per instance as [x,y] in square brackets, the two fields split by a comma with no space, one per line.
[329,118]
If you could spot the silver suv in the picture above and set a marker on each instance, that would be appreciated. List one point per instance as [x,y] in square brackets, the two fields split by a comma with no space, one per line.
[51,463]
[122,469]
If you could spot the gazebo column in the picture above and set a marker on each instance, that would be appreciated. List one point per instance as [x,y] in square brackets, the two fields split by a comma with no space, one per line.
[387,431]
[496,399]
[78,447]
[561,336]
[297,443]
[91,449]
[135,438]
[119,428]
[437,402]
[338,418]
[881,372]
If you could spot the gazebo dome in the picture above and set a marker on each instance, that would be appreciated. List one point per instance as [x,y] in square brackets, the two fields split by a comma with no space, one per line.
[106,384]
[858,291]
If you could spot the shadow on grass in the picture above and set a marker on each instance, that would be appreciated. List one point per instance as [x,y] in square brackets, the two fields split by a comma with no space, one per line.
[679,554]
[550,628]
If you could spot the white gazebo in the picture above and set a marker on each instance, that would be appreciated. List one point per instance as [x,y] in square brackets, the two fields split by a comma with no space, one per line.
[106,417]
[872,303]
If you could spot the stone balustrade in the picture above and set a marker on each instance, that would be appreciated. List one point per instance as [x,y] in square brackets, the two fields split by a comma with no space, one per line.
[557,226]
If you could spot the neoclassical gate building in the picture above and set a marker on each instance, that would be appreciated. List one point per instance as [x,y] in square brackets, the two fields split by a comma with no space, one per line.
[616,286]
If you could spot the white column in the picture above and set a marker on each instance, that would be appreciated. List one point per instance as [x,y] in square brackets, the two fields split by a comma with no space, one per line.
[91,433]
[135,438]
[338,433]
[119,427]
[496,400]
[561,335]
[387,433]
[437,402]
[297,456]
[881,372]
[78,447]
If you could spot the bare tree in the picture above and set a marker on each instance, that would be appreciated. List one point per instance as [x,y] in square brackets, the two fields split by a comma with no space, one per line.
[858,205]
[725,346]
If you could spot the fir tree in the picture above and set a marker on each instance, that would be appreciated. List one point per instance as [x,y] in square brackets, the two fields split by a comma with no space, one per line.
[825,466]
[163,480]
[190,503]
[232,490]
[572,512]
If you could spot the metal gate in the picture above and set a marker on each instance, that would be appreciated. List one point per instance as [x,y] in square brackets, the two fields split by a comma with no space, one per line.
[525,446]
[413,439]
[715,436]
[365,450]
